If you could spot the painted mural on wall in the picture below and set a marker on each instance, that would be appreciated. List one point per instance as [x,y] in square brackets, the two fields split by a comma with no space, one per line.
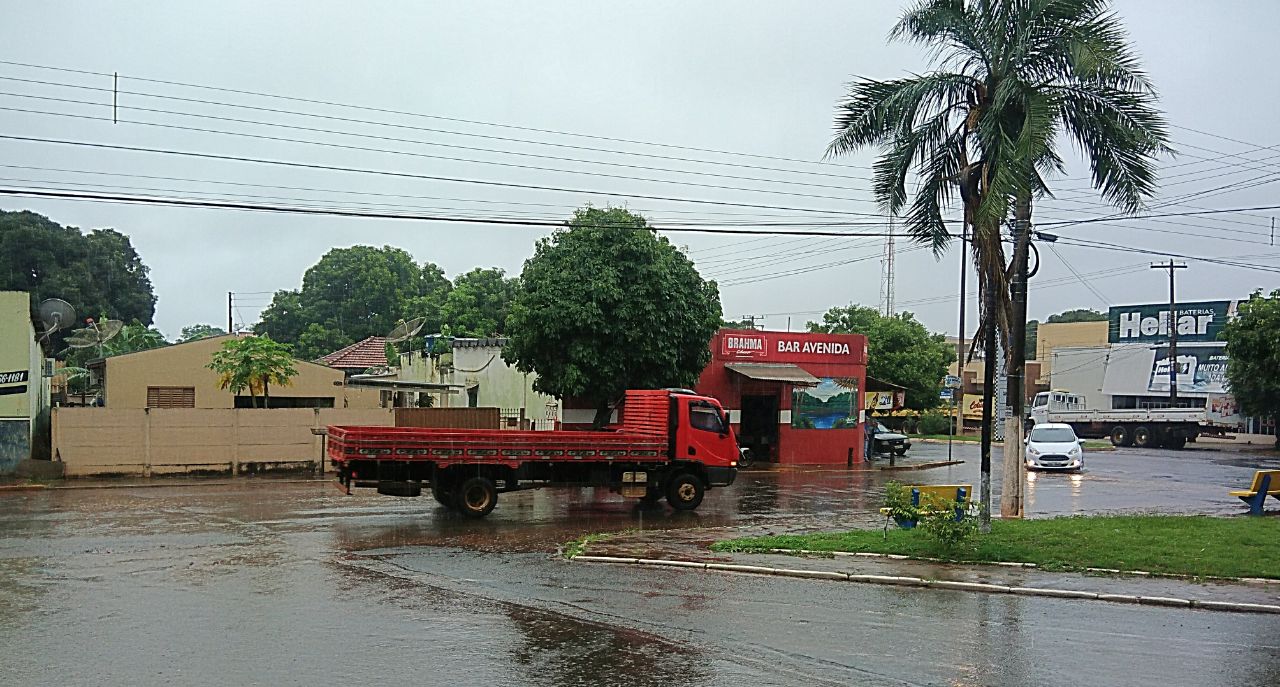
[15,443]
[832,404]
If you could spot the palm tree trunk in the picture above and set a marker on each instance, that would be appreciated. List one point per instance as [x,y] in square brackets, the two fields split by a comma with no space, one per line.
[1011,496]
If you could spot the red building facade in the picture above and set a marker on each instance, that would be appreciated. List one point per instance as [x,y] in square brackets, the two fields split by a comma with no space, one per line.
[792,397]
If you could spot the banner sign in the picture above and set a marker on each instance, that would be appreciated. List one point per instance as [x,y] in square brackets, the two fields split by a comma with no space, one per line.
[1199,321]
[1201,369]
[788,347]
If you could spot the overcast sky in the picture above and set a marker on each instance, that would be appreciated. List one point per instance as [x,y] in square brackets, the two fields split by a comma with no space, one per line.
[755,78]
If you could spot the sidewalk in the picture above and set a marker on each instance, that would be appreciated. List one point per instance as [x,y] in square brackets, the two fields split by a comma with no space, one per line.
[693,546]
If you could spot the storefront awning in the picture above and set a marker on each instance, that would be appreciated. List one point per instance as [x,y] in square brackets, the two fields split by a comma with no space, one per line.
[774,372]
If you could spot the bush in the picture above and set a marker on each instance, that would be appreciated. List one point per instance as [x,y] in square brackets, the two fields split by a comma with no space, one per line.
[934,422]
[939,524]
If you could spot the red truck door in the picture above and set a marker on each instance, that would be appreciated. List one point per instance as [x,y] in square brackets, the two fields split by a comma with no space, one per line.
[703,435]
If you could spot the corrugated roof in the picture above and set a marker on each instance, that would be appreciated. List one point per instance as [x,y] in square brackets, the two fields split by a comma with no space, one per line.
[361,355]
[774,372]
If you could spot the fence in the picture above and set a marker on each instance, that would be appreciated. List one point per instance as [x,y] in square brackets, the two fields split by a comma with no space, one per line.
[106,441]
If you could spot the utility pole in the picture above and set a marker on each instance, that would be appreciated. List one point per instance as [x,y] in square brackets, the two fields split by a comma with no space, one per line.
[1173,328]
[230,327]
[988,407]
[1014,468]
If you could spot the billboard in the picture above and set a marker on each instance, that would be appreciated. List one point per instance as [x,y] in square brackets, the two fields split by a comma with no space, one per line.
[1201,369]
[1197,322]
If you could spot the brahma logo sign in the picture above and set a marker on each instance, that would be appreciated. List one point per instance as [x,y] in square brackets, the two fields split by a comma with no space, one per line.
[744,346]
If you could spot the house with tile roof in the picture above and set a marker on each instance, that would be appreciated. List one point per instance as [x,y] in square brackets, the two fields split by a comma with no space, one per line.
[360,356]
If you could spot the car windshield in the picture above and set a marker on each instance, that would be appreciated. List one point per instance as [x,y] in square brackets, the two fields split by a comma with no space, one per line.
[1053,435]
[881,429]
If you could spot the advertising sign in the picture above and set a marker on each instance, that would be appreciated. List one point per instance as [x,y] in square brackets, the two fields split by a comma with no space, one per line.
[971,407]
[1222,410]
[832,404]
[788,347]
[1201,369]
[1199,321]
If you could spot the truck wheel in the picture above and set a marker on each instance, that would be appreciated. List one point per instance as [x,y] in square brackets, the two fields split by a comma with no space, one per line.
[443,494]
[1142,437]
[476,497]
[1120,436]
[685,491]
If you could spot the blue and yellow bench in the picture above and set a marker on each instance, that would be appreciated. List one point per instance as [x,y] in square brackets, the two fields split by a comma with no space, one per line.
[933,497]
[1265,483]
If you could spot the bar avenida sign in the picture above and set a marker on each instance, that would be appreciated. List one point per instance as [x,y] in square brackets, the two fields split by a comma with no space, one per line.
[1201,321]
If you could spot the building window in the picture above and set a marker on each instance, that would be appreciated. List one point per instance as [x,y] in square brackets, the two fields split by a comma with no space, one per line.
[473,397]
[171,397]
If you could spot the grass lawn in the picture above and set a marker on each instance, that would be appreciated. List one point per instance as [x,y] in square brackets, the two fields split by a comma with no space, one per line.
[1190,545]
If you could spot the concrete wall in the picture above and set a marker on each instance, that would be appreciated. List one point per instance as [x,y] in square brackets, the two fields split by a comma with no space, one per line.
[21,396]
[129,375]
[134,441]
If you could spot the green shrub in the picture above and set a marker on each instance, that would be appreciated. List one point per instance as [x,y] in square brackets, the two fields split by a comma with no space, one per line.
[939,524]
[934,422]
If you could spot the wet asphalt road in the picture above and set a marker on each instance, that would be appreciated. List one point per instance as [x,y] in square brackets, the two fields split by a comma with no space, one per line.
[261,582]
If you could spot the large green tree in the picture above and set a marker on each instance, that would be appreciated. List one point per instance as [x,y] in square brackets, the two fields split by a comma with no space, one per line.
[479,303]
[97,273]
[1253,356]
[899,350]
[608,305]
[1077,315]
[1016,79]
[353,293]
[194,332]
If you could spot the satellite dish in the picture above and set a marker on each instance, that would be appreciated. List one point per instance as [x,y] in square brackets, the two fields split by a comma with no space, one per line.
[406,330]
[96,334]
[55,314]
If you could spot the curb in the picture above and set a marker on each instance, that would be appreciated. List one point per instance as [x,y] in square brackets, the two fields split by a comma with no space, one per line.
[23,487]
[921,466]
[1015,564]
[902,581]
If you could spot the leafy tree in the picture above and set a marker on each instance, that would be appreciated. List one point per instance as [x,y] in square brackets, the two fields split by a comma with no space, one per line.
[353,293]
[899,350]
[253,363]
[609,305]
[1253,355]
[479,303]
[98,272]
[986,128]
[1077,315]
[199,331]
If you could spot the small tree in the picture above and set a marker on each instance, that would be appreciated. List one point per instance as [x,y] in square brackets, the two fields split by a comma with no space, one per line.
[253,363]
[1253,355]
[608,305]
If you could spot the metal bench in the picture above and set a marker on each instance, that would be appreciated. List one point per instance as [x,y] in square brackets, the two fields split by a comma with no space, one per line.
[1265,483]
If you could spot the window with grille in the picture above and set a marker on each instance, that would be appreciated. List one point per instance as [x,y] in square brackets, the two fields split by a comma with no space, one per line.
[171,397]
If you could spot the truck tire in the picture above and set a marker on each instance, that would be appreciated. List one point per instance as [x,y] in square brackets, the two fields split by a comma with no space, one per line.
[443,494]
[1120,436]
[685,491]
[1143,437]
[476,497]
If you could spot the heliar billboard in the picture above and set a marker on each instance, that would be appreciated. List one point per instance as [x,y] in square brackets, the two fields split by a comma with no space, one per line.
[1196,322]
[1201,369]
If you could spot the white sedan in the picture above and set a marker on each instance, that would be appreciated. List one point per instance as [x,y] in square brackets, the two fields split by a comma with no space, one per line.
[1054,446]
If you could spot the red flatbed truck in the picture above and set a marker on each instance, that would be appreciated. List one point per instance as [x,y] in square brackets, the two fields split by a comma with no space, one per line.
[671,443]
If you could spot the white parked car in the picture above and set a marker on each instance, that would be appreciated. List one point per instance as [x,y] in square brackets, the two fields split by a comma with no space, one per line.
[1054,446]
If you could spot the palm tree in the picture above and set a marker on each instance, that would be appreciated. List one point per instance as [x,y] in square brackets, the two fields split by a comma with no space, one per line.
[1014,76]
[253,363]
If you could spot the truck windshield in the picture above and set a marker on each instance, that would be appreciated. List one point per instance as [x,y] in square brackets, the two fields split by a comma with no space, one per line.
[1053,435]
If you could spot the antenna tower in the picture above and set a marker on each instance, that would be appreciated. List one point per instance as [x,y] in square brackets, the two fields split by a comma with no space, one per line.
[886,274]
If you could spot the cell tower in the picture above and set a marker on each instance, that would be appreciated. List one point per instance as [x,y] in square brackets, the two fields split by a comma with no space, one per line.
[886,274]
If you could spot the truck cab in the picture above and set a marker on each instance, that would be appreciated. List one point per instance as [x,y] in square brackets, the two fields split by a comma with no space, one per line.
[1055,401]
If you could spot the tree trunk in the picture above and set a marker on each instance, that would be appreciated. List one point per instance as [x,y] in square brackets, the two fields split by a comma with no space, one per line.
[266,394]
[1014,470]
[603,411]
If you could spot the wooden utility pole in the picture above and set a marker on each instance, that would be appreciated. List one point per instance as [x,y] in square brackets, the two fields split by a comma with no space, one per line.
[1173,327]
[230,327]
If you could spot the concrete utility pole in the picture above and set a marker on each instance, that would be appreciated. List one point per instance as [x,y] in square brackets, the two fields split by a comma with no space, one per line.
[1173,327]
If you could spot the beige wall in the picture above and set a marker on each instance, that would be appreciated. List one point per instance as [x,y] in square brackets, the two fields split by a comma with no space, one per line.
[1065,335]
[19,353]
[129,375]
[128,441]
